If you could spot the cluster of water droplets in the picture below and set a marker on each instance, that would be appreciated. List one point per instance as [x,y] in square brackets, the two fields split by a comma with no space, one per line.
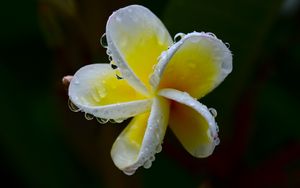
[104,44]
[103,120]
[147,162]
[89,116]
[150,160]
[216,138]
[156,147]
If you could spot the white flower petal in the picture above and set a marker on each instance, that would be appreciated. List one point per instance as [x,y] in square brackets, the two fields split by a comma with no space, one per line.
[142,138]
[95,90]
[192,123]
[136,38]
[196,64]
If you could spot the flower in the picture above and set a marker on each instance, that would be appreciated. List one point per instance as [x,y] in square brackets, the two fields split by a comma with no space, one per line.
[158,83]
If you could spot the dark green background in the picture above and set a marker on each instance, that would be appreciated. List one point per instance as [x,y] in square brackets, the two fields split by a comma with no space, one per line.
[44,144]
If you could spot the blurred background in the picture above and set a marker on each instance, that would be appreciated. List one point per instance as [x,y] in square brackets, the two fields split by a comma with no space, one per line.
[44,144]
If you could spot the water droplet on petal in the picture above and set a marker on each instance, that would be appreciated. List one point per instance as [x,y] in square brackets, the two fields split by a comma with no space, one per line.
[119,77]
[129,172]
[211,34]
[103,41]
[217,141]
[72,106]
[158,149]
[213,112]
[108,52]
[102,120]
[227,44]
[110,58]
[178,37]
[152,158]
[88,116]
[113,66]
[111,121]
[147,164]
[119,120]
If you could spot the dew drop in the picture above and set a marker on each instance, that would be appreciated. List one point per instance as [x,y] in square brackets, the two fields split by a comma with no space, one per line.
[217,128]
[178,37]
[119,77]
[158,149]
[72,106]
[103,41]
[108,52]
[88,116]
[110,59]
[211,34]
[147,164]
[102,120]
[227,44]
[120,120]
[113,66]
[213,112]
[129,172]
[217,141]
[111,121]
[152,158]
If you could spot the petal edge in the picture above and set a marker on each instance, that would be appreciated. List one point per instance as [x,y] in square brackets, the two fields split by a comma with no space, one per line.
[126,156]
[94,89]
[197,64]
[192,123]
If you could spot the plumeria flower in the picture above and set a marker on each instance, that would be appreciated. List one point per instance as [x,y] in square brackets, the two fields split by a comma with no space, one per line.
[158,83]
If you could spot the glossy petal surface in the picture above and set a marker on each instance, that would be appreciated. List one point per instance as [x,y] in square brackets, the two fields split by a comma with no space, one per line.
[96,90]
[196,64]
[136,38]
[192,123]
[139,141]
